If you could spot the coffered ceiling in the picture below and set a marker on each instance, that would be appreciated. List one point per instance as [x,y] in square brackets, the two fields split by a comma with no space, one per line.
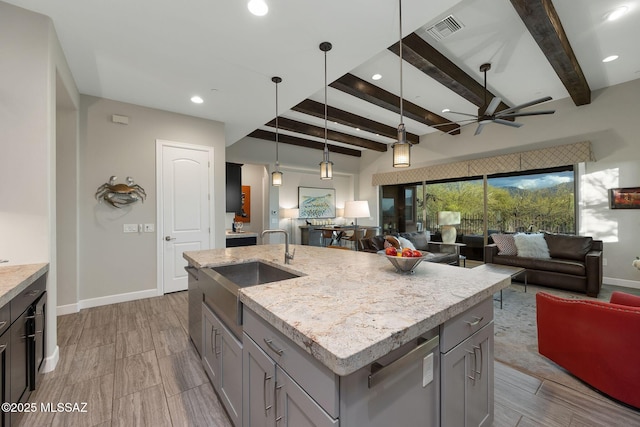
[159,54]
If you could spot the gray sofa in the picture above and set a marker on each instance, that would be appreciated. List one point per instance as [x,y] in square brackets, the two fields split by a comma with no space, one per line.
[420,241]
[575,263]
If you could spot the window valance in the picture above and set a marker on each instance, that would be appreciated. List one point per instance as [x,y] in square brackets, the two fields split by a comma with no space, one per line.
[562,155]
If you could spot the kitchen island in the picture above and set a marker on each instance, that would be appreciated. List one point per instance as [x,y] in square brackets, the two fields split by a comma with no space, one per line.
[348,315]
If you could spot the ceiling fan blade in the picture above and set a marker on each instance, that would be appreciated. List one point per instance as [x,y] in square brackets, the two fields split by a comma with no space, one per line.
[529,113]
[492,106]
[464,114]
[479,129]
[525,105]
[507,123]
[461,126]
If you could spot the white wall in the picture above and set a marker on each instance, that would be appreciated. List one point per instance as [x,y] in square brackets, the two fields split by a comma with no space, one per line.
[112,262]
[34,70]
[24,126]
[610,122]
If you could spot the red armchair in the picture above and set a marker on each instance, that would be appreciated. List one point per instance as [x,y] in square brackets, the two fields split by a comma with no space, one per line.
[596,341]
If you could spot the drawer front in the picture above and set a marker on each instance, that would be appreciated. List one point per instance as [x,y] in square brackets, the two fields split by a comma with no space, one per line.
[315,378]
[461,327]
[5,317]
[27,297]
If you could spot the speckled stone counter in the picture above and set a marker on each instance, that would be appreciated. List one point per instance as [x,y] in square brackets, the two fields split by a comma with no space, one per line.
[351,308]
[16,278]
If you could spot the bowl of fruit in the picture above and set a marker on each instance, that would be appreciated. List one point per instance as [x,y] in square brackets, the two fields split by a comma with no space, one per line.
[404,260]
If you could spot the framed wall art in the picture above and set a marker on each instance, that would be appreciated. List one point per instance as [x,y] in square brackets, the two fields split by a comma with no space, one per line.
[624,198]
[317,202]
[245,213]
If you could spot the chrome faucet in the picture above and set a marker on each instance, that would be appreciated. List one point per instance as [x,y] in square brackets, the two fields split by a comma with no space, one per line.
[287,256]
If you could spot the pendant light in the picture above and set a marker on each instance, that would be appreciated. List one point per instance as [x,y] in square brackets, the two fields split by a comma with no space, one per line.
[402,148]
[326,166]
[276,175]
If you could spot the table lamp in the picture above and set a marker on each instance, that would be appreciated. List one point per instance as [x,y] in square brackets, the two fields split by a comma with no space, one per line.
[447,219]
[356,209]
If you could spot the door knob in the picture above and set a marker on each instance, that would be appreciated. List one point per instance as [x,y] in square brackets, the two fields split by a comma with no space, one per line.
[169,238]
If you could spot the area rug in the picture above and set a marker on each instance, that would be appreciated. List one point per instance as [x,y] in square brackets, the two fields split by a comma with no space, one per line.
[516,337]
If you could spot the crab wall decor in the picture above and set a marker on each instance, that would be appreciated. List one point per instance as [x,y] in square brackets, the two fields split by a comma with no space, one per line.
[118,195]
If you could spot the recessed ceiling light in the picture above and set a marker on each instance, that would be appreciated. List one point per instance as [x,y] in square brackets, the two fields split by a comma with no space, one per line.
[610,58]
[258,7]
[446,110]
[196,99]
[617,13]
[376,76]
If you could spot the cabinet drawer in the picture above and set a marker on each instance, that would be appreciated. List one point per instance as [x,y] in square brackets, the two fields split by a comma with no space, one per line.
[27,297]
[315,378]
[459,328]
[5,317]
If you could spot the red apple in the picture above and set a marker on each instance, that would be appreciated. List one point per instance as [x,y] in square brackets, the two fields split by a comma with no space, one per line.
[391,251]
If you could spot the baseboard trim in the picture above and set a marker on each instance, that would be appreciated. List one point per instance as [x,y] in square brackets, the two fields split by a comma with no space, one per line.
[51,362]
[106,300]
[61,310]
[621,282]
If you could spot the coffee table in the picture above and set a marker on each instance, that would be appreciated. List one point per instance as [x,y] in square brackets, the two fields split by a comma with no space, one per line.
[504,269]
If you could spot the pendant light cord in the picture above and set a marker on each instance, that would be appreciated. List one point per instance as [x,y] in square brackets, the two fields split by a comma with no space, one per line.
[277,124]
[401,97]
[325,100]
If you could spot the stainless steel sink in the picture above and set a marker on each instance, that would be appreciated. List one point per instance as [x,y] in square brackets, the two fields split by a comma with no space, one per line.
[220,286]
[253,273]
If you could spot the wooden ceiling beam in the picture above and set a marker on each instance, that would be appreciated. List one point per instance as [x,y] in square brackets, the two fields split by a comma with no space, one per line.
[301,142]
[542,21]
[316,109]
[364,90]
[317,131]
[417,52]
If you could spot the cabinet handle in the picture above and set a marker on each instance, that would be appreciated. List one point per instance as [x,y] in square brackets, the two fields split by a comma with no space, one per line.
[476,320]
[275,349]
[3,347]
[473,370]
[214,341]
[264,393]
[475,347]
[276,390]
[2,324]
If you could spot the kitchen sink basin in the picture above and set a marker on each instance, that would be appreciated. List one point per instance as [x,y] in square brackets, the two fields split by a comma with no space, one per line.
[253,273]
[220,286]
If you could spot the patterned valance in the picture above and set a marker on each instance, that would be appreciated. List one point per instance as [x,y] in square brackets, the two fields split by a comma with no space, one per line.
[561,155]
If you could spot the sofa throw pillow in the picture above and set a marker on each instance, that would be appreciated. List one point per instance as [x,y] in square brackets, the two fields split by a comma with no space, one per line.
[531,245]
[506,244]
[567,246]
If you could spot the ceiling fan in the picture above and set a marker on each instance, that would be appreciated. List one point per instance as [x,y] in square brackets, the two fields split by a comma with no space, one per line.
[488,114]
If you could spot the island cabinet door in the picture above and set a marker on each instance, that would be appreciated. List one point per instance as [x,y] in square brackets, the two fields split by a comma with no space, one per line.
[258,386]
[467,381]
[295,408]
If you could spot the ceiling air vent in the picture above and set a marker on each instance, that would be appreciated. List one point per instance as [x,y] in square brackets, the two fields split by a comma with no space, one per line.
[445,28]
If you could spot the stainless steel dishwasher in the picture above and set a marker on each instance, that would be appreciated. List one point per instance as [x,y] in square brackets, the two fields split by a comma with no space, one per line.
[196,296]
[400,389]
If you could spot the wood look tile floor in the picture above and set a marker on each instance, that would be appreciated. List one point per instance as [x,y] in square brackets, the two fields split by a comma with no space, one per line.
[134,365]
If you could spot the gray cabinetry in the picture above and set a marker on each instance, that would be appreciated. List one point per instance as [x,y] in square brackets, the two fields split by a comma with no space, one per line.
[467,369]
[222,360]
[272,397]
[196,297]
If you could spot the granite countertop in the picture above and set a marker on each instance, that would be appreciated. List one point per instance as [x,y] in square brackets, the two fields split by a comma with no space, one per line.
[237,234]
[16,278]
[351,308]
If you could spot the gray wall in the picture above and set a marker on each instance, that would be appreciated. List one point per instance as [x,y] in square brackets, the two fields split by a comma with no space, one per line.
[112,263]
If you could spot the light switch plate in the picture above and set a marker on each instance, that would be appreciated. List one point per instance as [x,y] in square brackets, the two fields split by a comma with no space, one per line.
[130,228]
[427,370]
[149,228]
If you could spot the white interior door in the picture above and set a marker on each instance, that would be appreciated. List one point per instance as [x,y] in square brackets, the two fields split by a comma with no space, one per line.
[185,208]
